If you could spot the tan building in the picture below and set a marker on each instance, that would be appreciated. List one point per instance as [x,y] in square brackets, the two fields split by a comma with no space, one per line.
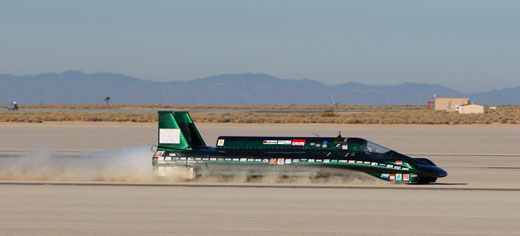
[450,104]
[471,109]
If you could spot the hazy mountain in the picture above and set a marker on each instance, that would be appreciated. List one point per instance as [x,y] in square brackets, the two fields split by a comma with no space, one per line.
[74,87]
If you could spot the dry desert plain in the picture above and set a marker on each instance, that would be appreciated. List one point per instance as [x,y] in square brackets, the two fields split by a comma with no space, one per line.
[480,196]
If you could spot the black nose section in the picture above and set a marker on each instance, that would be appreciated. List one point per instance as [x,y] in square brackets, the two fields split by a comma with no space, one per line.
[433,171]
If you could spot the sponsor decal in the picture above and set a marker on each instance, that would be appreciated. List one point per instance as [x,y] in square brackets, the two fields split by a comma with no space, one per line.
[343,161]
[351,161]
[397,167]
[220,142]
[374,163]
[392,177]
[167,158]
[359,162]
[183,158]
[367,162]
[287,161]
[344,147]
[172,154]
[312,144]
[284,142]
[298,142]
[399,162]
[385,176]
[406,177]
[198,159]
[382,164]
[213,159]
[191,158]
[265,161]
[159,154]
[250,159]
[280,161]
[273,161]
[413,175]
[258,160]
[175,158]
[317,145]
[390,166]
[205,159]
[296,160]
[303,160]
[324,146]
[334,161]
[311,160]
[270,142]
[398,177]
[319,160]
[406,168]
[326,161]
[228,159]
[236,159]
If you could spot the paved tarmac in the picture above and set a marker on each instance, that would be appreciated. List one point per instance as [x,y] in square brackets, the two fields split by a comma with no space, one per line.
[105,189]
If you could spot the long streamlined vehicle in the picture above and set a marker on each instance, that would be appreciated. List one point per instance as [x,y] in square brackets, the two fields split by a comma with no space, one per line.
[181,150]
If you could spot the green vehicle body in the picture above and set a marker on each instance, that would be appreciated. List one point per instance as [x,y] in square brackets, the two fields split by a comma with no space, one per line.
[181,150]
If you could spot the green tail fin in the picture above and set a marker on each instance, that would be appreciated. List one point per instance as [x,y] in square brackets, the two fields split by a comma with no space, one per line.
[177,131]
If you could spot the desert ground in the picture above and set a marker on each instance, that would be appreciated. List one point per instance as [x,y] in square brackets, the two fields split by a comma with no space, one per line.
[93,178]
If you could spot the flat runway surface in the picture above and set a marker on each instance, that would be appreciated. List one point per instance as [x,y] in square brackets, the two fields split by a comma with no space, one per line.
[480,196]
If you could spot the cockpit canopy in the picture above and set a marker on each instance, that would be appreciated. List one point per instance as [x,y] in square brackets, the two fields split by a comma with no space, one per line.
[374,148]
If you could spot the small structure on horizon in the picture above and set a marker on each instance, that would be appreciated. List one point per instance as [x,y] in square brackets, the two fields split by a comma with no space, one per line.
[471,109]
[450,104]
[13,106]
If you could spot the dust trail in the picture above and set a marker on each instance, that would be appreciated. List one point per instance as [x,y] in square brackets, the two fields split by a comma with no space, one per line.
[134,164]
[130,164]
[240,175]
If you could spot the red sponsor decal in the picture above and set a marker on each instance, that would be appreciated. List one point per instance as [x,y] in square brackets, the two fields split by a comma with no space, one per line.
[399,162]
[159,154]
[280,161]
[298,142]
[270,142]
[406,177]
[392,177]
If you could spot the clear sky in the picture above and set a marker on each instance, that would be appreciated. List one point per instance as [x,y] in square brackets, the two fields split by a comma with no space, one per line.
[467,45]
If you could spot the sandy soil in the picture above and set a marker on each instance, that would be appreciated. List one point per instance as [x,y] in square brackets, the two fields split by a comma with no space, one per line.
[474,156]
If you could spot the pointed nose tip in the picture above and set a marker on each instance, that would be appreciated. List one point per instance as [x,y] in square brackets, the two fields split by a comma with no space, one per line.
[441,172]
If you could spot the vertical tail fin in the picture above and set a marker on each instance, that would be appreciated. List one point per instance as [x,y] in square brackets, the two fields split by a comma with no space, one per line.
[177,131]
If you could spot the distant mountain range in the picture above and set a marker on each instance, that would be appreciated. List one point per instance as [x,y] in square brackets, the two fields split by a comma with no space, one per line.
[74,87]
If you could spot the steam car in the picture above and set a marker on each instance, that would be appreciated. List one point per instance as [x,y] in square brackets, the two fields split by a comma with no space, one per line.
[181,150]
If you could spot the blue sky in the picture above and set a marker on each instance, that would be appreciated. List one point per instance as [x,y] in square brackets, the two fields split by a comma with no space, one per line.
[467,45]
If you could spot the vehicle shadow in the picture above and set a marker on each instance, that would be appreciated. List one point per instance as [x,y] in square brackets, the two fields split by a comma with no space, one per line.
[447,184]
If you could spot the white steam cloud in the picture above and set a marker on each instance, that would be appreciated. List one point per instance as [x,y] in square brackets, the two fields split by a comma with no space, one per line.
[131,164]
